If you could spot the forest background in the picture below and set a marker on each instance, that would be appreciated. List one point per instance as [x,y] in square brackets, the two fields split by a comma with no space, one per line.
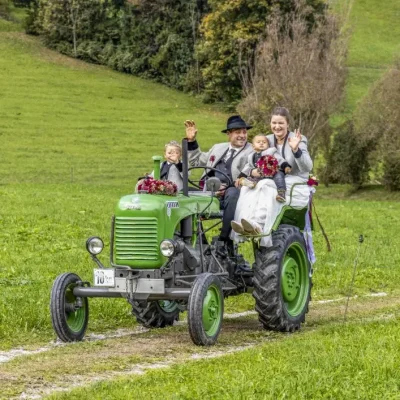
[249,56]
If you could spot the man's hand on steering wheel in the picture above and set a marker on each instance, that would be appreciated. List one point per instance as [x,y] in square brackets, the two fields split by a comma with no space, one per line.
[221,191]
[191,130]
[224,186]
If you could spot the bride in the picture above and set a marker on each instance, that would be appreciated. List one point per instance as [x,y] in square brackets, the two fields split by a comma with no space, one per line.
[257,209]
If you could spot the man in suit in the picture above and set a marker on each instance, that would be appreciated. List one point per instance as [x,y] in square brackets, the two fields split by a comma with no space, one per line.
[228,158]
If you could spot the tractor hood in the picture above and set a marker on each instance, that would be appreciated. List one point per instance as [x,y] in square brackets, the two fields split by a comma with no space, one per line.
[142,221]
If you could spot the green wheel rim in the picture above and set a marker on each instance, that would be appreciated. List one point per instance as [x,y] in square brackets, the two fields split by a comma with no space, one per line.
[295,280]
[212,310]
[168,306]
[76,319]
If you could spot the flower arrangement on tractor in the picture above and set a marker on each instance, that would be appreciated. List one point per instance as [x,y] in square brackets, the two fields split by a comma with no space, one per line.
[157,186]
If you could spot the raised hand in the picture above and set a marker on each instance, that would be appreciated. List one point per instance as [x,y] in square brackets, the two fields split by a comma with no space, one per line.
[191,130]
[295,141]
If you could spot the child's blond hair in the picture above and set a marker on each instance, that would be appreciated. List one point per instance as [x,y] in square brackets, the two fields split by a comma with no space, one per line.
[173,143]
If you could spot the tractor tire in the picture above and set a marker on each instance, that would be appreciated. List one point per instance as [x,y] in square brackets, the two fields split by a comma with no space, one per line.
[205,309]
[155,314]
[282,281]
[69,318]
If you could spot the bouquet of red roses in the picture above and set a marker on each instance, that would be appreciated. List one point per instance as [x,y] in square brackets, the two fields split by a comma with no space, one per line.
[268,166]
[155,186]
[312,181]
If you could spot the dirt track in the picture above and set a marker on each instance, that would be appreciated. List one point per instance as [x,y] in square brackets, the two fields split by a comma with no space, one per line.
[56,367]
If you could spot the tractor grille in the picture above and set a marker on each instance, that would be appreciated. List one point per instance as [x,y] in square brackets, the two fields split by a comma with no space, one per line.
[136,238]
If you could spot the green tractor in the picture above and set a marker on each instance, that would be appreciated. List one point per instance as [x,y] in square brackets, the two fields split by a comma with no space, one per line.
[162,263]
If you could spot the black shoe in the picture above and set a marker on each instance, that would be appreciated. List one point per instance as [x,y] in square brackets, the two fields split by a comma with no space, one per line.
[244,270]
[243,267]
[224,248]
[221,250]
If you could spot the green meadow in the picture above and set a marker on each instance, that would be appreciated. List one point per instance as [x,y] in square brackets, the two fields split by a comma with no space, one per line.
[374,44]
[335,362]
[75,137]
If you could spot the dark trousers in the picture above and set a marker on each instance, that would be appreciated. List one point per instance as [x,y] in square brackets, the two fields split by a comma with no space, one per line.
[228,204]
[279,179]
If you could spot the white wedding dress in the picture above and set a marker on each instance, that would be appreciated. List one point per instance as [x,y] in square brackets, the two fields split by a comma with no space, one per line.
[259,205]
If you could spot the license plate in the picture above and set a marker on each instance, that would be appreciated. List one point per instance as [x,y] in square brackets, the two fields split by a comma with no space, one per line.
[104,277]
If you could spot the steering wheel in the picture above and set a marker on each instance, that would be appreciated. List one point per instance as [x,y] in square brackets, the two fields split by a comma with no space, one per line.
[230,182]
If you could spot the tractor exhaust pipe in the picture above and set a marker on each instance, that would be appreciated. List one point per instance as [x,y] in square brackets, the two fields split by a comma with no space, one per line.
[185,167]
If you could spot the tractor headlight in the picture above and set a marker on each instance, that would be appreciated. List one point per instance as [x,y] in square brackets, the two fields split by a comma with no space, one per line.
[94,245]
[167,247]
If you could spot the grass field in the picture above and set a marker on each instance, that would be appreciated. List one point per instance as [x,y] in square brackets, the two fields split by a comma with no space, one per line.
[334,362]
[63,172]
[74,138]
[374,44]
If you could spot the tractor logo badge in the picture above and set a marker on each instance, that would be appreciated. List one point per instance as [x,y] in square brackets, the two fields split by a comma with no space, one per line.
[170,205]
[134,205]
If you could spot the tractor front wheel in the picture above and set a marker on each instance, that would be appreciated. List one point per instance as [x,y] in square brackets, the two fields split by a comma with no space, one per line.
[69,314]
[205,309]
[282,281]
[156,314]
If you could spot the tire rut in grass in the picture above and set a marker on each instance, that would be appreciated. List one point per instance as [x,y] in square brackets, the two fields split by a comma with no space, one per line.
[64,367]
[6,356]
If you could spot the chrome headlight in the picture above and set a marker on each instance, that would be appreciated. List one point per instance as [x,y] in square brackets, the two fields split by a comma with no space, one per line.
[94,245]
[167,247]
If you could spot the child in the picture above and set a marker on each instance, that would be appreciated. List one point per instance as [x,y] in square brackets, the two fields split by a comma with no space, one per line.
[261,148]
[171,168]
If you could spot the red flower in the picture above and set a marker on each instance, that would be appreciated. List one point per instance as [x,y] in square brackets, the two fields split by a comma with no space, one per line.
[212,158]
[154,186]
[268,166]
[312,181]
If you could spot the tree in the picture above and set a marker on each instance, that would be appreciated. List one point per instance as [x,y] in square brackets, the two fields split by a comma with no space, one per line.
[234,27]
[65,24]
[300,66]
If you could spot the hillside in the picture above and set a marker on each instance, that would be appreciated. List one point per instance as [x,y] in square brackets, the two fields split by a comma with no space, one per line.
[374,44]
[82,122]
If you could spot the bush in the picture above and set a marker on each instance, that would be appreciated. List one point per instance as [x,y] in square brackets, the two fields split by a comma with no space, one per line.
[5,9]
[347,161]
[377,120]
[391,175]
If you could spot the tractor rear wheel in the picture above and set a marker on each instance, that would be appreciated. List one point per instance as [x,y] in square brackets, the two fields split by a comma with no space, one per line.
[155,314]
[282,281]
[205,309]
[69,314]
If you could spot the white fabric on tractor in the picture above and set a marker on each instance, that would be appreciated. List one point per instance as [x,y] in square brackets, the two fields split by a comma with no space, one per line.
[259,205]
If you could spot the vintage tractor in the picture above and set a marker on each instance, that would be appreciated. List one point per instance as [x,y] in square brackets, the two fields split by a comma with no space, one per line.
[162,263]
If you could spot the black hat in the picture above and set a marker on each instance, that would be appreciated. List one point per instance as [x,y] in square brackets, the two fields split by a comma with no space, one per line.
[235,122]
